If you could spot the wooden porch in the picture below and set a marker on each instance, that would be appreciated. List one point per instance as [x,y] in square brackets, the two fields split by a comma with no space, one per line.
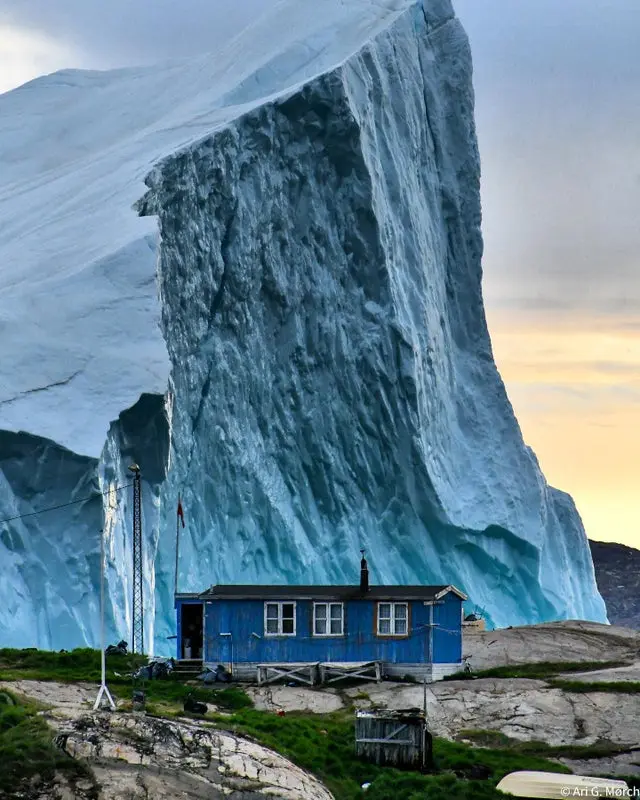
[314,672]
[332,671]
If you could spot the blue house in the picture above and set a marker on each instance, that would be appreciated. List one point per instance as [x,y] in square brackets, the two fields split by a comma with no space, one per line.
[309,632]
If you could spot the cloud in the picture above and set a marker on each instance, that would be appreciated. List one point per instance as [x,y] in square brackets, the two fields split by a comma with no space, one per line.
[121,32]
[558,118]
[26,54]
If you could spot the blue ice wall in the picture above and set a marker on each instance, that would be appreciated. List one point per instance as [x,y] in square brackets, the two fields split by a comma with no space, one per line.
[332,382]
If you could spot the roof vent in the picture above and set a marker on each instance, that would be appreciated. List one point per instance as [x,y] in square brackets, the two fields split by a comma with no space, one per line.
[364,574]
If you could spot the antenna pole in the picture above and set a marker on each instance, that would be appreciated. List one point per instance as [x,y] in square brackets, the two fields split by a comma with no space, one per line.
[104,691]
[137,643]
[137,616]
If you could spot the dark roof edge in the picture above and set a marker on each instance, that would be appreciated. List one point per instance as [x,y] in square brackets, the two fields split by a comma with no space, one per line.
[436,592]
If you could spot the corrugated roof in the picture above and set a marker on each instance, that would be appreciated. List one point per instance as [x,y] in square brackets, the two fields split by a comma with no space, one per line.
[350,592]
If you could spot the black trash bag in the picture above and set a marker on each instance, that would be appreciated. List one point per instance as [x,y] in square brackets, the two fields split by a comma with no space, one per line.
[159,670]
[144,673]
[223,675]
[121,648]
[195,706]
[208,676]
[215,674]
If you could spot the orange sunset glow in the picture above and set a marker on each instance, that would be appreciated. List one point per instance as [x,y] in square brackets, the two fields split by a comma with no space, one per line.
[574,383]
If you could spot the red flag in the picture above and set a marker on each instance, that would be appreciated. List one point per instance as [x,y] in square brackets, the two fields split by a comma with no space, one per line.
[180,512]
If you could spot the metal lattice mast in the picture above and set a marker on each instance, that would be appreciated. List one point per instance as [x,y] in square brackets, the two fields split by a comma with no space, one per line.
[137,637]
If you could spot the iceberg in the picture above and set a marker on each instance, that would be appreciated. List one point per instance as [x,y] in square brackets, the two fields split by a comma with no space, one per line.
[258,275]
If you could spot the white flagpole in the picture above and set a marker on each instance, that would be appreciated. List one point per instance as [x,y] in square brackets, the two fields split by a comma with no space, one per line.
[104,691]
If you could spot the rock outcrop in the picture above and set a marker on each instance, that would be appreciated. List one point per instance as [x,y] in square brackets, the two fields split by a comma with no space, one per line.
[524,710]
[138,757]
[617,570]
[135,756]
[570,640]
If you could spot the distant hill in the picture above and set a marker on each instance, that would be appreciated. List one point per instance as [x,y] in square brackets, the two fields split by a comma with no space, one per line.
[618,576]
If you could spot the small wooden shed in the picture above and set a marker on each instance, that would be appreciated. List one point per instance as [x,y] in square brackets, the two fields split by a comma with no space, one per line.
[394,738]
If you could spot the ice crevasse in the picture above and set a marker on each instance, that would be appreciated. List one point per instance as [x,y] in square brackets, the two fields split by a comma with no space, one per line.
[311,368]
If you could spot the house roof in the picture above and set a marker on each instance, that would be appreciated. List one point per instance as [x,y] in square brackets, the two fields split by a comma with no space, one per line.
[351,592]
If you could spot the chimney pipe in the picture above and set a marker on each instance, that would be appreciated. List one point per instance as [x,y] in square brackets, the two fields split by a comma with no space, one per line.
[364,574]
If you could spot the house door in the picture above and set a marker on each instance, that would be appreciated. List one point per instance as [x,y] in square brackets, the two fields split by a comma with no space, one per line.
[191,625]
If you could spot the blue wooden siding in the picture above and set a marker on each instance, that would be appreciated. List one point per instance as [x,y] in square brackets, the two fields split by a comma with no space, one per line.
[243,618]
[447,630]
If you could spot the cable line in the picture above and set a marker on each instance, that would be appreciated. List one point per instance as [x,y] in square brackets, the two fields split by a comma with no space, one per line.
[65,505]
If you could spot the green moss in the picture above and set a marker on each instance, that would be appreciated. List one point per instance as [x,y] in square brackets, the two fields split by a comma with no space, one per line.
[497,740]
[622,687]
[27,750]
[324,745]
[540,671]
[82,664]
[321,744]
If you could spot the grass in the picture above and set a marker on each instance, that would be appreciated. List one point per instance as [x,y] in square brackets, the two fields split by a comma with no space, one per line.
[165,696]
[498,740]
[321,744]
[82,664]
[324,746]
[26,748]
[540,671]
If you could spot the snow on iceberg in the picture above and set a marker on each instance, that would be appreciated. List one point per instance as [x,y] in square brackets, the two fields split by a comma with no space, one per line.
[322,337]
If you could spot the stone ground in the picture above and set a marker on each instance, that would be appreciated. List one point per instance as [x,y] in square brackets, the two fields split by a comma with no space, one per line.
[570,640]
[134,756]
[520,708]
[65,700]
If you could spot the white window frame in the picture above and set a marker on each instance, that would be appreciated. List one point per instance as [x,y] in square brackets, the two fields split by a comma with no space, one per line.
[392,625]
[328,619]
[279,604]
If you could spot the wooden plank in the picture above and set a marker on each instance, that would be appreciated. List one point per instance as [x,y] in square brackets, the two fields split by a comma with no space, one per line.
[342,670]
[386,741]
[293,672]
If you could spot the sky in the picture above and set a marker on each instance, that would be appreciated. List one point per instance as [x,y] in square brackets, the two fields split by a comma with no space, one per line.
[557,87]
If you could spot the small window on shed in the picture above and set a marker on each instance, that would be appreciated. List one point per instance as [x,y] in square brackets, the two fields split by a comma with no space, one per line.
[393,619]
[328,619]
[280,619]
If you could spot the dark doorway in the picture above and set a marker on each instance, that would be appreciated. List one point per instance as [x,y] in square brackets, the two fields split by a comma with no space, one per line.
[191,631]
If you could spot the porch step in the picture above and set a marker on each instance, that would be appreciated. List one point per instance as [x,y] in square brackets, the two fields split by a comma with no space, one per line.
[188,669]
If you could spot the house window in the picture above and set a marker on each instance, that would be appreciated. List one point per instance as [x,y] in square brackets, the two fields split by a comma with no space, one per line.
[393,619]
[328,619]
[280,619]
